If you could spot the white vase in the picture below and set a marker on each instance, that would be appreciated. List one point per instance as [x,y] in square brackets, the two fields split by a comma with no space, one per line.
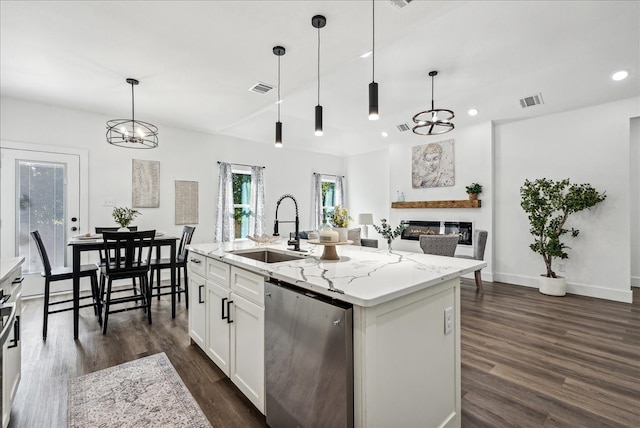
[343,233]
[124,229]
[552,286]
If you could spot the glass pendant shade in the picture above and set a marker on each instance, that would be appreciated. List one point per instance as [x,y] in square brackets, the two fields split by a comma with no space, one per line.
[132,133]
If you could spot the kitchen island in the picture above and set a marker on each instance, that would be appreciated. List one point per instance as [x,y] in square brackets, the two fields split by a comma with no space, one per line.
[406,323]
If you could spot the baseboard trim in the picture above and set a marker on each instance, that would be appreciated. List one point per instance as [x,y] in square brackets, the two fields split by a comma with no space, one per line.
[624,296]
[635,281]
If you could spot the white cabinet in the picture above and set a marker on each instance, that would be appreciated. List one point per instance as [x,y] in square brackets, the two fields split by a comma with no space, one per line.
[231,331]
[11,350]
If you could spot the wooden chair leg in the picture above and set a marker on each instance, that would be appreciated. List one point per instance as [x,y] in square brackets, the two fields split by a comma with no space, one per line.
[178,285]
[478,276]
[157,285]
[149,292]
[106,307]
[45,315]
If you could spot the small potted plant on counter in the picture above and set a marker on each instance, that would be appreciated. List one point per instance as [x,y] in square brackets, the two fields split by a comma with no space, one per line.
[473,190]
[124,216]
[387,232]
[548,204]
[340,219]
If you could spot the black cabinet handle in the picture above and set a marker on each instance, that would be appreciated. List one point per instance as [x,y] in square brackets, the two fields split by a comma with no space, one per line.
[229,320]
[222,309]
[200,287]
[196,261]
[16,333]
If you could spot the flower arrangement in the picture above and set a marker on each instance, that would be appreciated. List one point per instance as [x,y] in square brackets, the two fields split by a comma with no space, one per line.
[387,232]
[124,215]
[340,217]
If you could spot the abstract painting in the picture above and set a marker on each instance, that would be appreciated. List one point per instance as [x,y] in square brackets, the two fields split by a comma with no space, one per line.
[145,181]
[186,202]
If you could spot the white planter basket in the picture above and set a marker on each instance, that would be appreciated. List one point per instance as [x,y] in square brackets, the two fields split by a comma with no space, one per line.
[552,286]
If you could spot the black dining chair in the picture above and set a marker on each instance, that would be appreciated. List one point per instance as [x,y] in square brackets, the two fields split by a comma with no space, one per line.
[59,274]
[181,264]
[127,256]
[100,230]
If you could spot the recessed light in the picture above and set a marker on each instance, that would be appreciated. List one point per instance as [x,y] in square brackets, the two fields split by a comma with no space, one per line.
[366,54]
[619,75]
[473,112]
[384,134]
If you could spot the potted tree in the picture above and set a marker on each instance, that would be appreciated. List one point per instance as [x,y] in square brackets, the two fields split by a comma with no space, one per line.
[548,204]
[473,190]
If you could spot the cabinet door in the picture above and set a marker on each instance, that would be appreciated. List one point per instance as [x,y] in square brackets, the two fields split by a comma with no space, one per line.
[218,307]
[197,318]
[11,364]
[247,349]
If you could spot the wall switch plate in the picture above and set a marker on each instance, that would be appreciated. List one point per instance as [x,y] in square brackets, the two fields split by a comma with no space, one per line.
[109,203]
[448,320]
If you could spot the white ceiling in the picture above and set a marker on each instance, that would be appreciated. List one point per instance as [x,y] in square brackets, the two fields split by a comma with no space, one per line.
[196,60]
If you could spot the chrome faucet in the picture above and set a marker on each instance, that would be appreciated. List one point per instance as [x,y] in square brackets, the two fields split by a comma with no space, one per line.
[296,241]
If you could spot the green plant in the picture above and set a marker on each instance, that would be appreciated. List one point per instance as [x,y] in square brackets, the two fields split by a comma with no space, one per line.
[124,215]
[387,232]
[340,217]
[548,204]
[474,188]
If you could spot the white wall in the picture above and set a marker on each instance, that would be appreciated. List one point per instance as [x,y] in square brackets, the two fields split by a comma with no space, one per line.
[589,145]
[634,192]
[473,161]
[183,155]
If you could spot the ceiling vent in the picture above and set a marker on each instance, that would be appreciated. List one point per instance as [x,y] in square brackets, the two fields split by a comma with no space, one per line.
[400,3]
[403,127]
[261,88]
[531,101]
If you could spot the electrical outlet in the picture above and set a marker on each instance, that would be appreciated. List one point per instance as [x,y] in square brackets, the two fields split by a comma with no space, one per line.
[109,203]
[448,320]
[561,267]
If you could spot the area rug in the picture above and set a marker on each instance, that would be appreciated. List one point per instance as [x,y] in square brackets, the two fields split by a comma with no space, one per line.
[147,392]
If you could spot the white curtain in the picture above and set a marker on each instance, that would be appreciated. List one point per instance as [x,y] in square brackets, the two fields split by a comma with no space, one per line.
[256,216]
[338,198]
[225,223]
[317,201]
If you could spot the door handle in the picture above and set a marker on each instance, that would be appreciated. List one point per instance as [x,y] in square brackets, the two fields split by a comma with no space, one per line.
[16,333]
[229,320]
[224,299]
[200,287]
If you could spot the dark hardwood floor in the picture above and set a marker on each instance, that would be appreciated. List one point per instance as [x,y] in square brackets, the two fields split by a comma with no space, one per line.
[528,360]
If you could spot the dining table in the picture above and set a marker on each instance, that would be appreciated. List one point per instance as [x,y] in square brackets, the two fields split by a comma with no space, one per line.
[94,242]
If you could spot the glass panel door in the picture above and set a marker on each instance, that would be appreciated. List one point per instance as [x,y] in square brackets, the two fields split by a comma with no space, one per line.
[40,191]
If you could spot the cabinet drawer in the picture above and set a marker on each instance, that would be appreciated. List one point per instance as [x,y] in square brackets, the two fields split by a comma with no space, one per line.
[248,284]
[218,272]
[197,263]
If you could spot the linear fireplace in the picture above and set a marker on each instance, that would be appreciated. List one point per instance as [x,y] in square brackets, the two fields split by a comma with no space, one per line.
[415,228]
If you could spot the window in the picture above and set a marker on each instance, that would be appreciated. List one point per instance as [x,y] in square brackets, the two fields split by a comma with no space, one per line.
[328,196]
[241,202]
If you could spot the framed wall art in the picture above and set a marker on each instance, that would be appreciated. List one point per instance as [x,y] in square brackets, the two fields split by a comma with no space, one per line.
[145,184]
[432,165]
[186,202]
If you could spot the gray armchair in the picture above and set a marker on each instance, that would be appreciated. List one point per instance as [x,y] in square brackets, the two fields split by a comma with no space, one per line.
[479,244]
[439,245]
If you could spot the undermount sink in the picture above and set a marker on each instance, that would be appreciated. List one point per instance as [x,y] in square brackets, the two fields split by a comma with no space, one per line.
[267,256]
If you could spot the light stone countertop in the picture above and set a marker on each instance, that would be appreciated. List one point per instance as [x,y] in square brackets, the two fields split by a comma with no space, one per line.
[363,276]
[7,265]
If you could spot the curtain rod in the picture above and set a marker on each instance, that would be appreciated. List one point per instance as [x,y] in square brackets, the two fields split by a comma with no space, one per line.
[242,164]
[328,175]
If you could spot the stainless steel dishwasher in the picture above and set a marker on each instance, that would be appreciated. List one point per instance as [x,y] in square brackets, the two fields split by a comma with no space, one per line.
[308,358]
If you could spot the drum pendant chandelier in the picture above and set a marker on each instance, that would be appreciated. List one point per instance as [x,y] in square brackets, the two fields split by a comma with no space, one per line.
[434,121]
[131,133]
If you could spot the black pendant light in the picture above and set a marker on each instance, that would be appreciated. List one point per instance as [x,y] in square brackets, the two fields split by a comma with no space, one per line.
[318,21]
[434,121]
[373,86]
[279,51]
[132,133]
